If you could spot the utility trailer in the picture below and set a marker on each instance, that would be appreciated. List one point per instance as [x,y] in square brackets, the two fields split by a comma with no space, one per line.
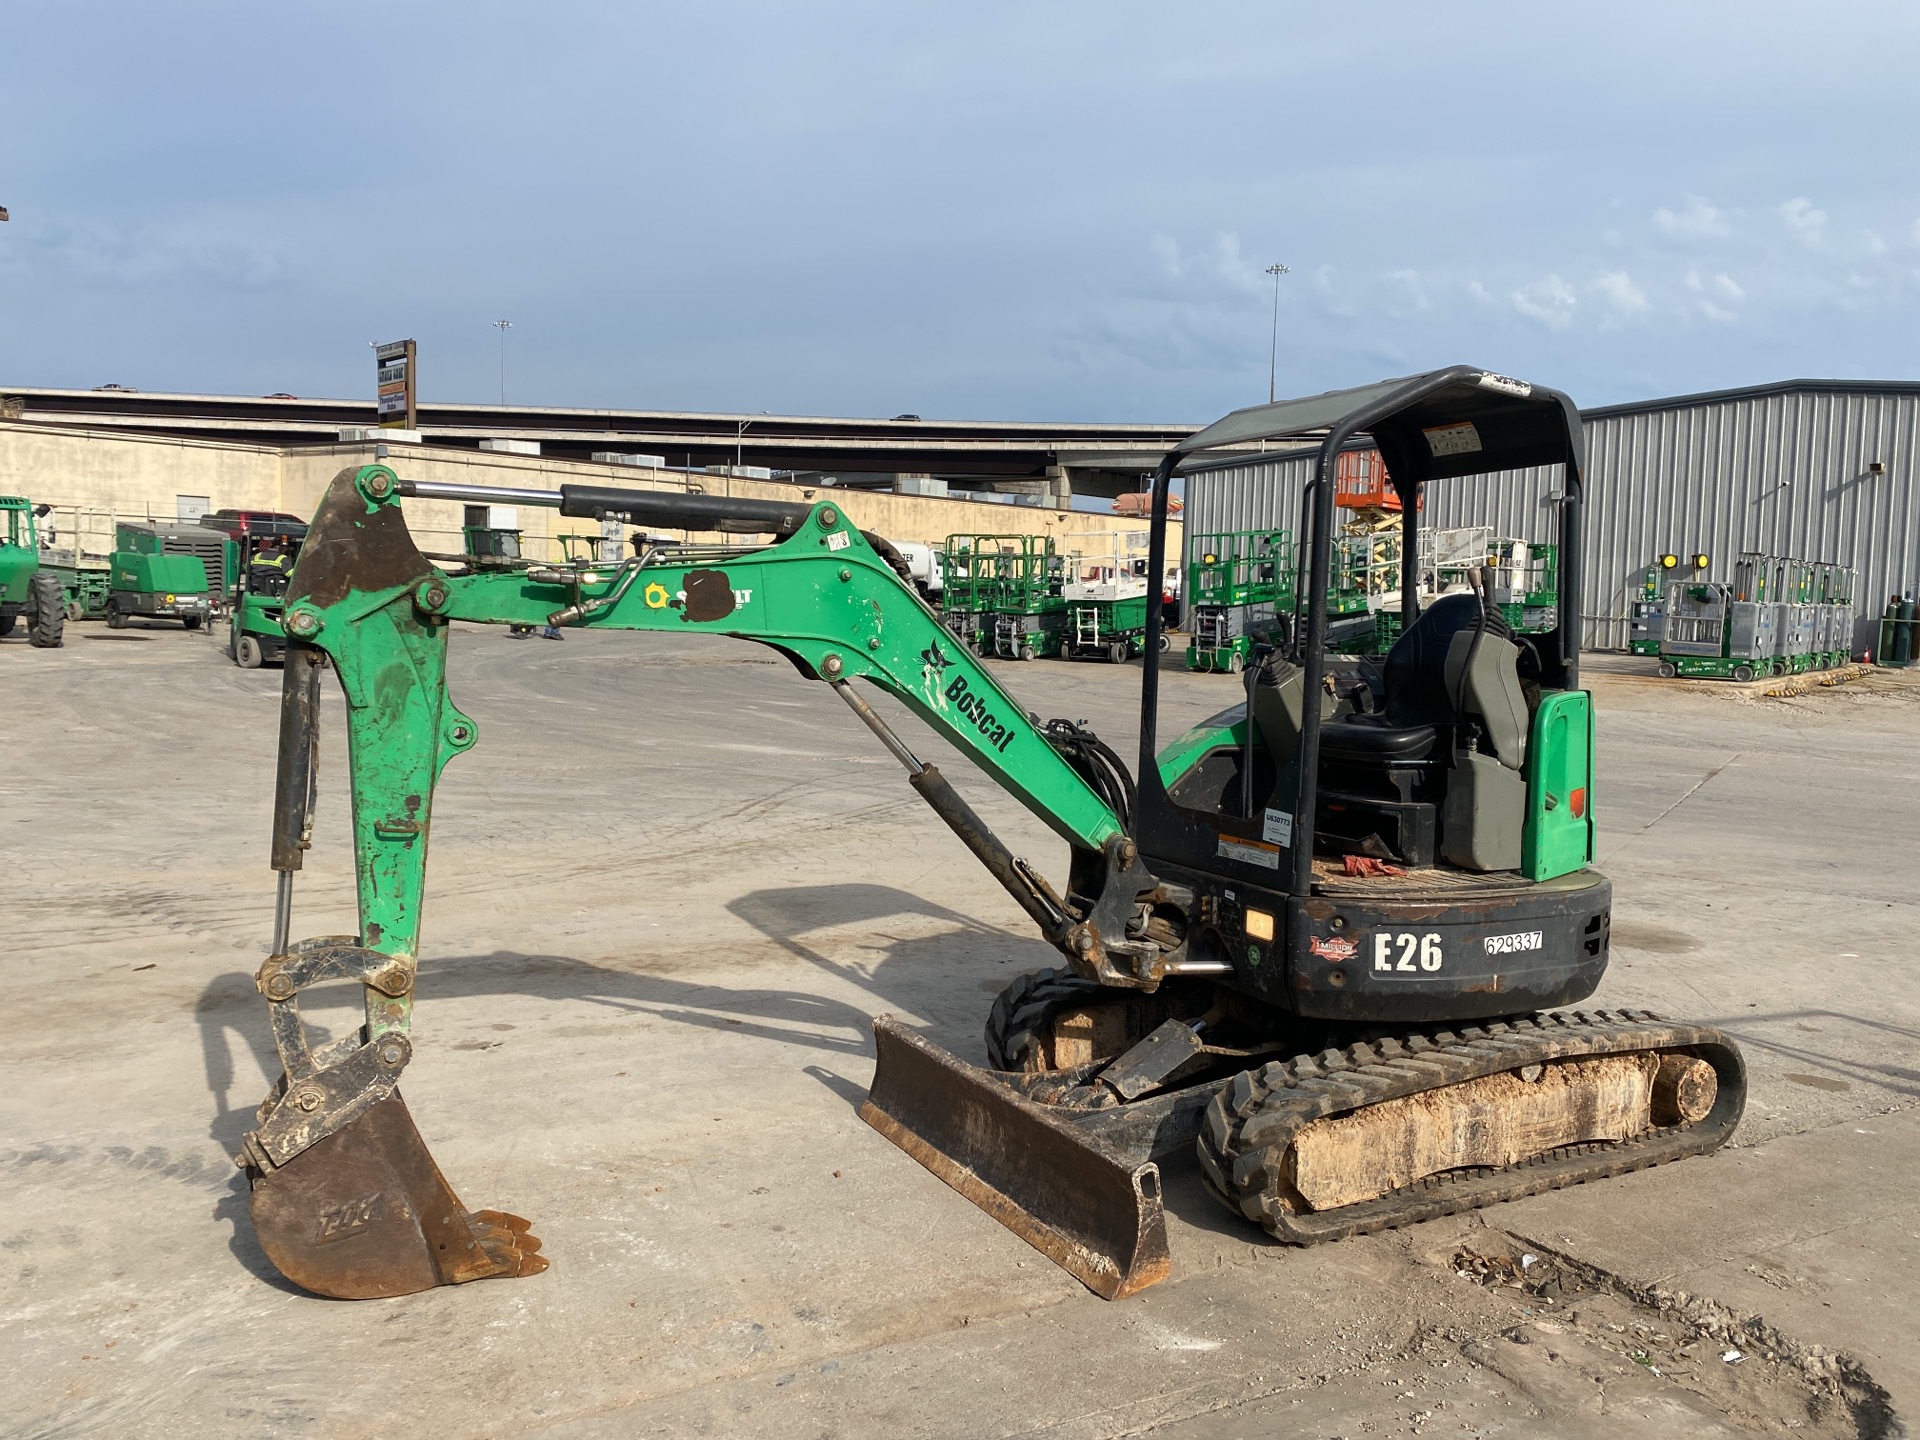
[1316,942]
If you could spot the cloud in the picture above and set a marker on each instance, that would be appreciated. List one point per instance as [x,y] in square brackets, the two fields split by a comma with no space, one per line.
[1708,295]
[1218,265]
[1699,219]
[1550,300]
[1805,220]
[1626,299]
[1404,296]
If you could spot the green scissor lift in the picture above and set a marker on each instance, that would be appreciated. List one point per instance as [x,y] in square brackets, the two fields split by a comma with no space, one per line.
[966,586]
[1525,588]
[1106,594]
[1238,583]
[1029,606]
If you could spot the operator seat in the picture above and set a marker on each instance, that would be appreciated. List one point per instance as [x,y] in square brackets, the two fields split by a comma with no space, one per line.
[1385,776]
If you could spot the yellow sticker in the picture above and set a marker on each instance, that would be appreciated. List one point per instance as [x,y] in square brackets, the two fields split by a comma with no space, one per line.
[656,596]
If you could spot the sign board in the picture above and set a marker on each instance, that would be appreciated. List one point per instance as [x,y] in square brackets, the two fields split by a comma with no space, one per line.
[396,392]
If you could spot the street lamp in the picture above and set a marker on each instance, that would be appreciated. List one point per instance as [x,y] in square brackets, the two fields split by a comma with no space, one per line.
[1273,353]
[505,325]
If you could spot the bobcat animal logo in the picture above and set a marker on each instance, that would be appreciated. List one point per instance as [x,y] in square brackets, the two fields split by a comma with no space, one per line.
[933,656]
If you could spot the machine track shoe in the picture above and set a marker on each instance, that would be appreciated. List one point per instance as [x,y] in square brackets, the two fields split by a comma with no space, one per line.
[365,1213]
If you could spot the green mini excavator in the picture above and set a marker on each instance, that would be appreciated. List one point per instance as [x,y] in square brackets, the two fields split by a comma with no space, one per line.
[1317,941]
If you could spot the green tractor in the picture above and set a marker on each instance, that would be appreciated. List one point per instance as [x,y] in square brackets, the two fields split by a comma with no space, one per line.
[25,588]
[160,571]
[262,546]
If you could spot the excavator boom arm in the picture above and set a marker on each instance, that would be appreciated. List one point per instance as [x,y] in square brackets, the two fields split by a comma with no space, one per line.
[336,1156]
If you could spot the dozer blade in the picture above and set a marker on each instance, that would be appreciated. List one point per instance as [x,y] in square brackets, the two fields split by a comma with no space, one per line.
[1087,1208]
[365,1213]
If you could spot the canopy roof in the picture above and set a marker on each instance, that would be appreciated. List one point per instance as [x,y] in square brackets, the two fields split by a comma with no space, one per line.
[1457,421]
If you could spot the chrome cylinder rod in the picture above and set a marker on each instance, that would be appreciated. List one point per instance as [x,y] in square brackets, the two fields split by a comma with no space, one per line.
[879,727]
[283,913]
[479,494]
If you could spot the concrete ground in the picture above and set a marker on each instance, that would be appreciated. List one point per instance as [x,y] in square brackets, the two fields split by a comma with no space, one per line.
[669,890]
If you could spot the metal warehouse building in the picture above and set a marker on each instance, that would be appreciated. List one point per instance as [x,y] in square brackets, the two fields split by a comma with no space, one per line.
[1814,469]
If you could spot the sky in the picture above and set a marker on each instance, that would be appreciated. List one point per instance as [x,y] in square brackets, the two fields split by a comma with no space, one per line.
[1033,211]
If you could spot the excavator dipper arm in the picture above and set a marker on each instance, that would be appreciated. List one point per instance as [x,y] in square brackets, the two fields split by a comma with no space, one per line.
[346,1198]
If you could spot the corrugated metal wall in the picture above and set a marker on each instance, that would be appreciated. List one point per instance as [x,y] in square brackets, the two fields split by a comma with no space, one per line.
[1784,473]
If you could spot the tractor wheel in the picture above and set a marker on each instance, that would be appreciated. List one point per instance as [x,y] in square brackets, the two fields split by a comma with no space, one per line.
[1164,644]
[46,612]
[1235,664]
[1743,673]
[1117,652]
[1667,670]
[246,653]
[75,610]
[1024,1031]
[192,622]
[116,617]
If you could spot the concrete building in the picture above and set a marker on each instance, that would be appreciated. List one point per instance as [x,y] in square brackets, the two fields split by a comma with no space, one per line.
[1814,469]
[1042,463]
[93,476]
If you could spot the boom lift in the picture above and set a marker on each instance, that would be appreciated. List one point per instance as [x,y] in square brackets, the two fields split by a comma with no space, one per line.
[1315,936]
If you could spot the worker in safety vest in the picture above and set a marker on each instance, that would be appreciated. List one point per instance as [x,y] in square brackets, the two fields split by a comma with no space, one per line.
[267,570]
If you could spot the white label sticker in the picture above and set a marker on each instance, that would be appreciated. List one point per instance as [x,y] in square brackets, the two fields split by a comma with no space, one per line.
[1511,944]
[1250,852]
[1277,829]
[1461,439]
[840,539]
[1505,386]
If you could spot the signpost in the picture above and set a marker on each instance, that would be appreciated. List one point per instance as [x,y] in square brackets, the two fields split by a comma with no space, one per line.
[397,384]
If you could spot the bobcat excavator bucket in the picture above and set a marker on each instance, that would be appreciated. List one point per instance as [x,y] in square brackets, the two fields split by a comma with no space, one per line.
[1091,1206]
[365,1213]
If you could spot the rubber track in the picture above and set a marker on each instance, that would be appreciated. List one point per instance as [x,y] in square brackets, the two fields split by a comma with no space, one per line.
[1252,1121]
[1022,1016]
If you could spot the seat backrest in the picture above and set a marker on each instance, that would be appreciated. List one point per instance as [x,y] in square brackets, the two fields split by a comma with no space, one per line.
[1415,672]
[1489,689]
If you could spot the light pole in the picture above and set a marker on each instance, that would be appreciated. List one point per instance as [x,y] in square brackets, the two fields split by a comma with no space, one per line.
[1273,352]
[505,325]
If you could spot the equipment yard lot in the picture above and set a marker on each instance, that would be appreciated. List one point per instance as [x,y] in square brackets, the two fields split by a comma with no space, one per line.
[671,887]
